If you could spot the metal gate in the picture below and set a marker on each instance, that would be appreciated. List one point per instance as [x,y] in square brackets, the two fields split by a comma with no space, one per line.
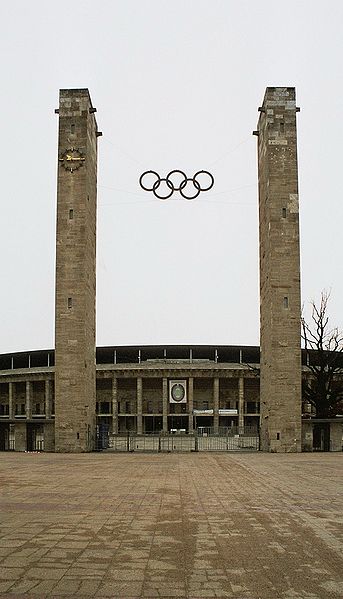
[244,440]
[178,443]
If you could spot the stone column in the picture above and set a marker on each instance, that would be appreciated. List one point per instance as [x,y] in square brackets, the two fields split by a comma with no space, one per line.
[75,359]
[165,404]
[307,435]
[28,402]
[48,405]
[241,402]
[336,436]
[216,405]
[49,436]
[115,405]
[139,405]
[280,303]
[190,405]
[20,436]
[11,400]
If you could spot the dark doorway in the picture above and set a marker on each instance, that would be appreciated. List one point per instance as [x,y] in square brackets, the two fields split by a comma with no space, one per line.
[152,424]
[4,436]
[7,442]
[177,424]
[204,421]
[102,432]
[321,436]
[35,437]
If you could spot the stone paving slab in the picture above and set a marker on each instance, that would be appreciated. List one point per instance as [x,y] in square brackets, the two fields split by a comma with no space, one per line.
[243,526]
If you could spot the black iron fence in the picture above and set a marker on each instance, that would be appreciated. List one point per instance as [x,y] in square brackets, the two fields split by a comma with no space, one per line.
[246,439]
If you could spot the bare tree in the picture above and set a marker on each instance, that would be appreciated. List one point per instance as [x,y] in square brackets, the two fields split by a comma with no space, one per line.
[324,388]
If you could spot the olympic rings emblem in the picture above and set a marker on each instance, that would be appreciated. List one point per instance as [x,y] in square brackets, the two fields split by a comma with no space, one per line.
[176,180]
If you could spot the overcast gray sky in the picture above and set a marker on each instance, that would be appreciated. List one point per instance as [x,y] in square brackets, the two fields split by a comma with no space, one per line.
[177,84]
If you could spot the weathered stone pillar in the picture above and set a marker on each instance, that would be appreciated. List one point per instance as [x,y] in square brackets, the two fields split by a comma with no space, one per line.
[280,305]
[241,402]
[165,404]
[190,405]
[48,402]
[336,436]
[49,436]
[28,402]
[75,359]
[216,405]
[115,405]
[20,436]
[139,405]
[307,435]
[11,400]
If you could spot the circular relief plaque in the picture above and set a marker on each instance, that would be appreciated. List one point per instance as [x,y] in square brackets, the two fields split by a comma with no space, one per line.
[178,392]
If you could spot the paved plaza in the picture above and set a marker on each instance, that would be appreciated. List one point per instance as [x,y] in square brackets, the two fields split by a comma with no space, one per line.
[247,526]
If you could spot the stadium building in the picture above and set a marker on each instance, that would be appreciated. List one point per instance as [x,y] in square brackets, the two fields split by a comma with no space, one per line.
[207,390]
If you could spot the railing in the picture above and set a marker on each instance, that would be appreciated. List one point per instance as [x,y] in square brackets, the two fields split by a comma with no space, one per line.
[224,431]
[10,445]
[38,445]
[245,440]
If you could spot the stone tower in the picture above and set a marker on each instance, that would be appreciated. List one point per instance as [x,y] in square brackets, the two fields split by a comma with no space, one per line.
[280,309]
[75,273]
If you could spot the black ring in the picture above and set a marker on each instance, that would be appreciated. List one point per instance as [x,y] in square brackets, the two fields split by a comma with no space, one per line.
[207,173]
[157,184]
[195,183]
[147,173]
[177,171]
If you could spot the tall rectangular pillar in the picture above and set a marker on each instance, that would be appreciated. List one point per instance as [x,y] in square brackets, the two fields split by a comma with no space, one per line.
[165,405]
[11,401]
[28,400]
[114,405]
[139,405]
[75,273]
[47,397]
[20,432]
[241,404]
[280,309]
[216,405]
[49,436]
[190,405]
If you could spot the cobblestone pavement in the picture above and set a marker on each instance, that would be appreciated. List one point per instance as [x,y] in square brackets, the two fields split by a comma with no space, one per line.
[247,526]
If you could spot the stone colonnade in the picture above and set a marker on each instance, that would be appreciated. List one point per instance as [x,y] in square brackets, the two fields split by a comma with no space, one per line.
[29,398]
[215,400]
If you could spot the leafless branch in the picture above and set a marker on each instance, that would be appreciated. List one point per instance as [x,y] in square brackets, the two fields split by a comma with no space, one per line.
[325,344]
